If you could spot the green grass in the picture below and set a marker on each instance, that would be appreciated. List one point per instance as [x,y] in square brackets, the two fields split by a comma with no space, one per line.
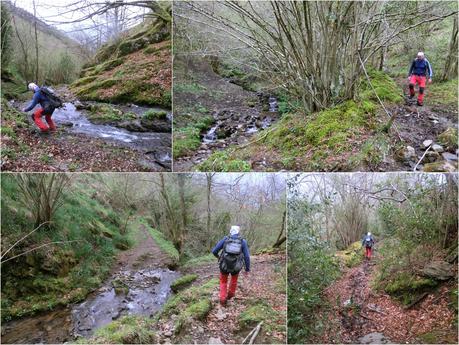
[189,88]
[221,161]
[127,330]
[165,245]
[188,139]
[183,282]
[200,260]
[259,311]
[57,274]
[443,92]
[155,115]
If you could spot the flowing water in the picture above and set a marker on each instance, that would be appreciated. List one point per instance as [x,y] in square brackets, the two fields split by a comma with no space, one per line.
[143,292]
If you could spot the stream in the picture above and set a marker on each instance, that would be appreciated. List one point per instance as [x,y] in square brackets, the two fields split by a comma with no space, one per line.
[156,146]
[127,292]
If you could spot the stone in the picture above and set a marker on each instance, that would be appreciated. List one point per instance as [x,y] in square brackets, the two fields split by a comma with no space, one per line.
[409,153]
[215,341]
[374,338]
[439,270]
[449,138]
[221,315]
[427,143]
[431,157]
[437,148]
[442,166]
[433,117]
[449,156]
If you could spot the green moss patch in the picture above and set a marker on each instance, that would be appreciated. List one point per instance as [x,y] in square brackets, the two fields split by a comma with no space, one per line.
[406,287]
[127,330]
[443,92]
[384,86]
[449,138]
[352,256]
[165,245]
[107,114]
[221,161]
[188,139]
[155,115]
[183,282]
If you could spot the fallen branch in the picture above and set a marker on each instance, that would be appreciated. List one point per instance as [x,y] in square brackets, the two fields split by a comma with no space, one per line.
[415,167]
[252,334]
[376,310]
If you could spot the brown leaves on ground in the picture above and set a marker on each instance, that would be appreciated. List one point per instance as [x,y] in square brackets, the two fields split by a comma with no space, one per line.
[263,283]
[62,151]
[380,313]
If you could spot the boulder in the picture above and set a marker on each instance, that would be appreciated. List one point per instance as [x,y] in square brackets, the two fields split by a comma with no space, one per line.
[373,338]
[157,125]
[443,166]
[439,270]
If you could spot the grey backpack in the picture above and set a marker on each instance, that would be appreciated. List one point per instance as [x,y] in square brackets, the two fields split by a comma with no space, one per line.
[232,257]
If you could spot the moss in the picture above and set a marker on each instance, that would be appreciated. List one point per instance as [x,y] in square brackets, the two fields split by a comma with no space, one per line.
[8,132]
[120,287]
[351,256]
[384,86]
[254,314]
[127,330]
[104,113]
[406,287]
[200,260]
[83,81]
[183,282]
[449,138]
[222,162]
[188,139]
[155,115]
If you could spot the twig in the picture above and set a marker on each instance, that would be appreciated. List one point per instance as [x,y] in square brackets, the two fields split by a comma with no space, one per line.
[23,238]
[415,167]
[248,335]
[376,310]
[255,333]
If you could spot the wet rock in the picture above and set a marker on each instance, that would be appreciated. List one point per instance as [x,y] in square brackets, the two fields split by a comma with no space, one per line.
[156,125]
[449,156]
[427,143]
[431,157]
[81,106]
[437,148]
[440,270]
[443,166]
[221,315]
[132,126]
[66,124]
[433,117]
[374,338]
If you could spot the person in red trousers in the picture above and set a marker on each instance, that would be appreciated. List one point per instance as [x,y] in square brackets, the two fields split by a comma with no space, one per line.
[233,255]
[368,242]
[45,109]
[420,70]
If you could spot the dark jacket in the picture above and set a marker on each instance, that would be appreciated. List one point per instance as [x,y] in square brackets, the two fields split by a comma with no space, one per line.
[245,250]
[38,98]
[421,67]
[372,240]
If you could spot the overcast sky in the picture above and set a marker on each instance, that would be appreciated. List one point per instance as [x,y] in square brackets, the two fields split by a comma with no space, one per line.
[55,12]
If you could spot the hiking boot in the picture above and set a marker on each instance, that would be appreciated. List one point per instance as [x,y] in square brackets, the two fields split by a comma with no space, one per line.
[223,302]
[419,104]
[230,295]
[411,96]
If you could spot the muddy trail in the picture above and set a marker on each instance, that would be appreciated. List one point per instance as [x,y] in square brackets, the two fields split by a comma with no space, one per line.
[81,144]
[264,284]
[139,284]
[361,315]
[237,113]
[421,132]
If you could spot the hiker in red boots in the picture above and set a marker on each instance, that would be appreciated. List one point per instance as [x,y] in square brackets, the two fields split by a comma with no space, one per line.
[47,108]
[420,69]
[233,254]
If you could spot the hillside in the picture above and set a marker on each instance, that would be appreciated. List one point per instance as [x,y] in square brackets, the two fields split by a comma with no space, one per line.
[136,68]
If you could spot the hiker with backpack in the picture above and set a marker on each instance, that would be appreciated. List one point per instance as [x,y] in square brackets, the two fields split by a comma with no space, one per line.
[48,102]
[420,69]
[368,242]
[233,254]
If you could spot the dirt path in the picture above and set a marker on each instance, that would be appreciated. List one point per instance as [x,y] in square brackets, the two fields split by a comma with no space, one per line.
[264,284]
[362,315]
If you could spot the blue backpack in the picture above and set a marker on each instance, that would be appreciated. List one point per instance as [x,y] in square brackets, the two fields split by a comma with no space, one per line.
[368,242]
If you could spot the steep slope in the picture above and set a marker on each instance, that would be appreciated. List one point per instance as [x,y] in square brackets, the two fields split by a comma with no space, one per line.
[135,68]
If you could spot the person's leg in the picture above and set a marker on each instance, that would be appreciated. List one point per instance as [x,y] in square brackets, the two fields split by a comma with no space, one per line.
[223,286]
[37,119]
[411,85]
[369,253]
[422,86]
[50,122]
[233,285]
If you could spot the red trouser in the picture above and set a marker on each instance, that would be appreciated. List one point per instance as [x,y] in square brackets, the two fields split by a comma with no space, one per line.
[421,81]
[368,252]
[224,284]
[37,119]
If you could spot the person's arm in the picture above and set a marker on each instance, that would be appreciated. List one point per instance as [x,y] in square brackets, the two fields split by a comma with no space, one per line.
[35,99]
[429,70]
[411,69]
[246,252]
[218,247]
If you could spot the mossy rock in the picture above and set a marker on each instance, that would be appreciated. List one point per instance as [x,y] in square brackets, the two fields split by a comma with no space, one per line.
[120,287]
[83,81]
[442,166]
[127,330]
[407,287]
[352,255]
[449,138]
[183,282]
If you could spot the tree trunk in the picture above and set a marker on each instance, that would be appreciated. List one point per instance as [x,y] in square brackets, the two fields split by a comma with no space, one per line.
[36,41]
[450,70]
